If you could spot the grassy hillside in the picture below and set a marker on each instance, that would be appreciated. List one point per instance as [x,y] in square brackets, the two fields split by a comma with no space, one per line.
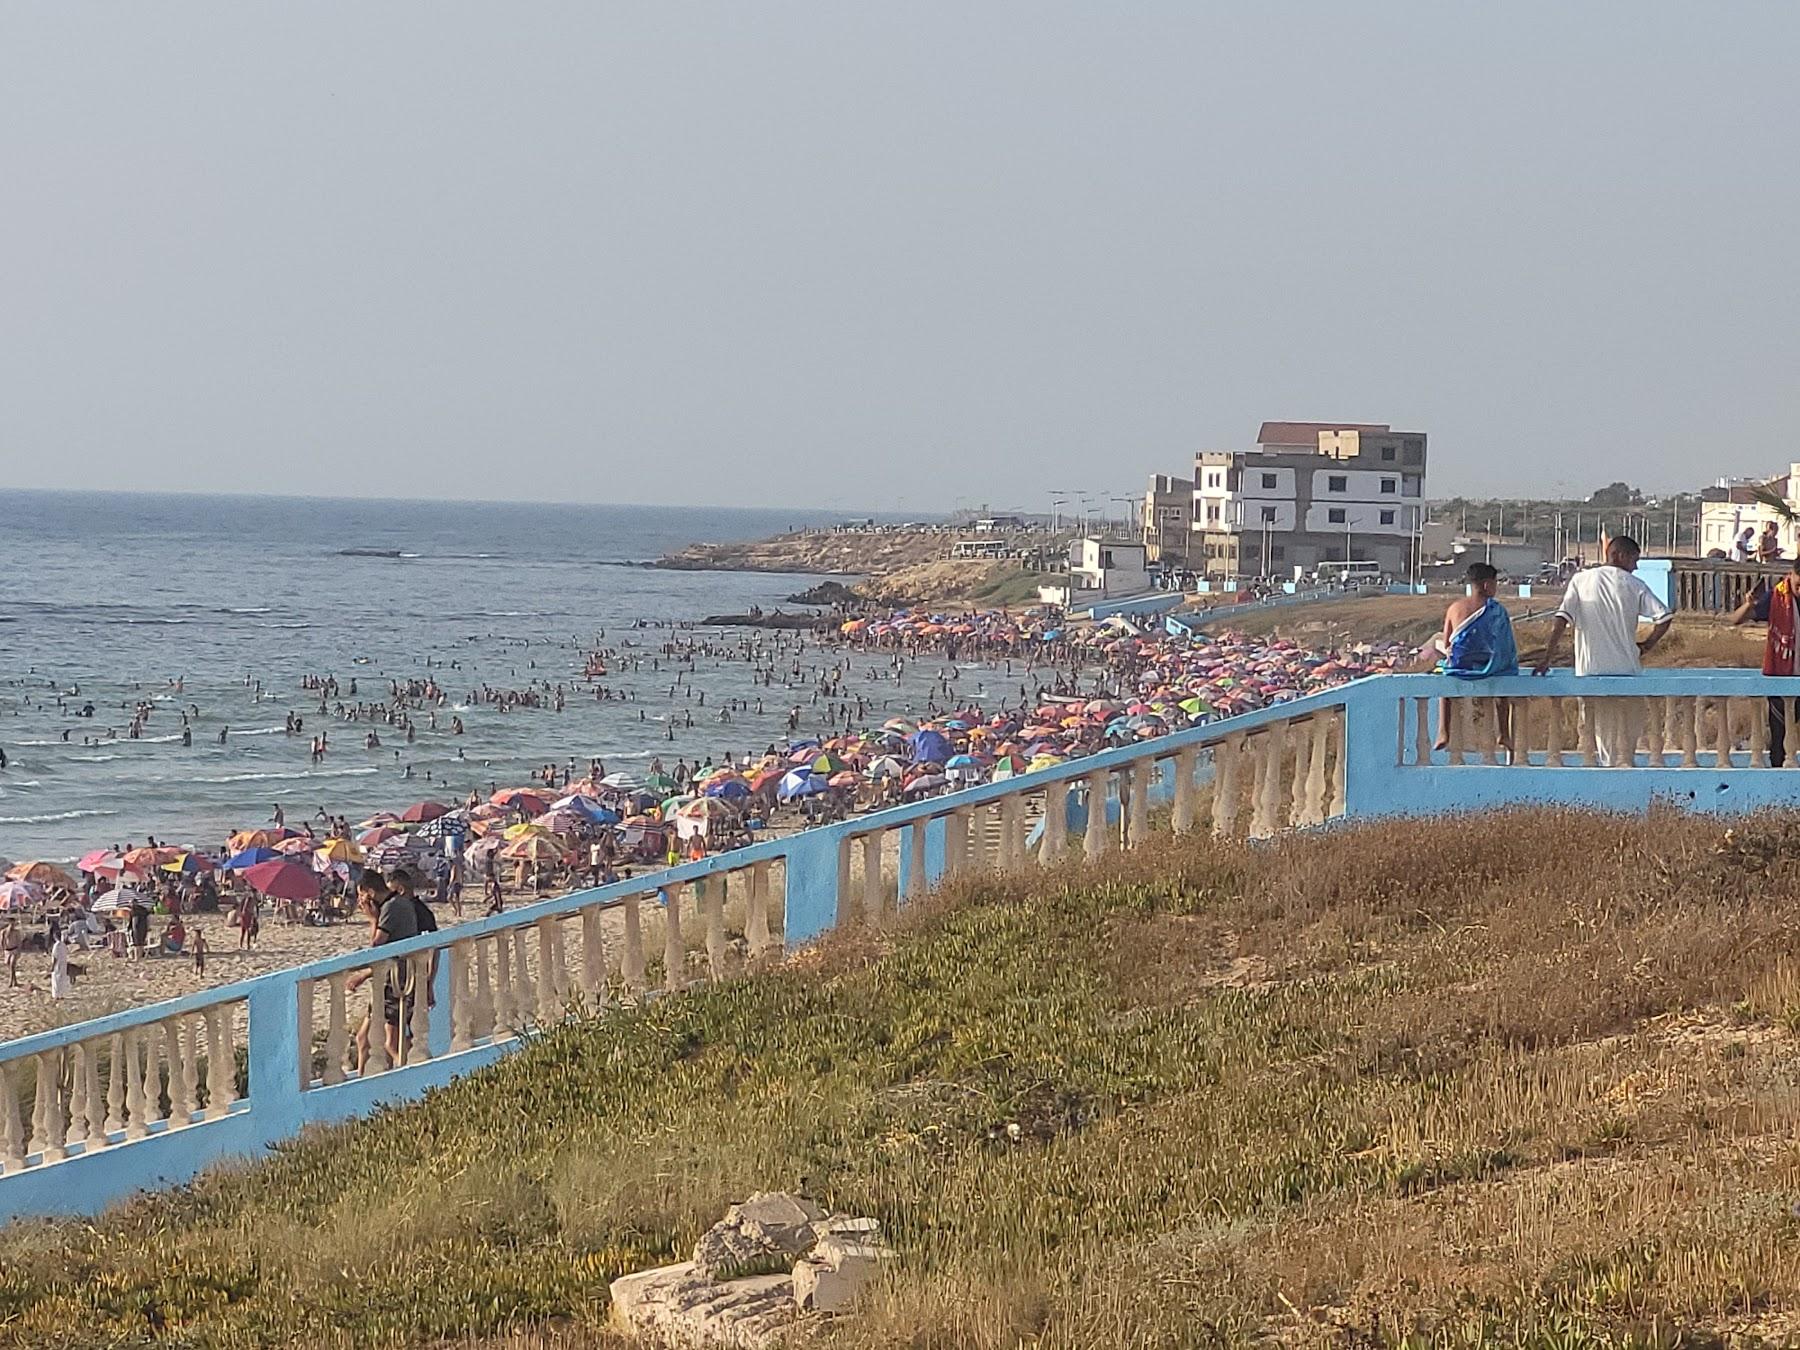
[1524,1080]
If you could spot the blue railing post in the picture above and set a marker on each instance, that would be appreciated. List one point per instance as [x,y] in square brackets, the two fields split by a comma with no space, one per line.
[274,1053]
[937,831]
[1371,741]
[812,884]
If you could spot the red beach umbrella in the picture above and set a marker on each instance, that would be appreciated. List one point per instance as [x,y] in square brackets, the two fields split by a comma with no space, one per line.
[420,812]
[284,880]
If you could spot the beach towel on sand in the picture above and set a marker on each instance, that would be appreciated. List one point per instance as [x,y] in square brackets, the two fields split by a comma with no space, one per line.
[1483,645]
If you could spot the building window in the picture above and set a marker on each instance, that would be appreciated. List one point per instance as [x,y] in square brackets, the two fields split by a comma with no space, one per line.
[1268,480]
[1337,483]
[1268,515]
[1278,552]
[1387,454]
[1388,485]
[1335,515]
[1387,517]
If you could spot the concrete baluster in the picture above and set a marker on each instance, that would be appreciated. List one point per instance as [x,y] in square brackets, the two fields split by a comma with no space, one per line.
[1138,828]
[115,1083]
[12,1130]
[916,880]
[1012,832]
[1456,721]
[1690,733]
[87,1102]
[1099,838]
[674,952]
[1268,781]
[153,1089]
[508,1017]
[337,1027]
[632,964]
[956,842]
[1656,731]
[1590,711]
[1757,714]
[418,1019]
[522,993]
[756,912]
[1421,731]
[181,1109]
[1554,742]
[481,1023]
[1316,789]
[874,893]
[1182,815]
[136,1113]
[1228,756]
[50,1131]
[190,1066]
[377,1061]
[462,998]
[593,953]
[1303,748]
[1726,737]
[712,907]
[221,1061]
[549,1004]
[1056,824]
[1490,731]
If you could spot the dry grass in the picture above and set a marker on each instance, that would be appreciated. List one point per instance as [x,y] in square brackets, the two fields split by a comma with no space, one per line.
[1522,1080]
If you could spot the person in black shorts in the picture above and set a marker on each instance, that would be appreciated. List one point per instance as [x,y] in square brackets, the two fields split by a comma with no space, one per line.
[392,918]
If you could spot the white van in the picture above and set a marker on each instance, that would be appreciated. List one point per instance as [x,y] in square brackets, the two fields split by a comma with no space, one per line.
[1348,573]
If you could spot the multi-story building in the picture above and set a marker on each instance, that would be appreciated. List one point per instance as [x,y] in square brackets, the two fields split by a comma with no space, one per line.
[1310,493]
[1741,507]
[1169,519]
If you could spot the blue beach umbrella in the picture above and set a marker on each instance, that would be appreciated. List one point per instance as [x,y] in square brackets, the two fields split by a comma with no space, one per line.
[933,745]
[801,783]
[250,857]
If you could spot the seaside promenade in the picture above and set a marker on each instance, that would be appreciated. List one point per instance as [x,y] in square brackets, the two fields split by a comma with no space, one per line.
[93,1111]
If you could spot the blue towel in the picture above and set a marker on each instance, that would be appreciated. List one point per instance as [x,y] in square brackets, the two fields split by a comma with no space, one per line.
[1483,645]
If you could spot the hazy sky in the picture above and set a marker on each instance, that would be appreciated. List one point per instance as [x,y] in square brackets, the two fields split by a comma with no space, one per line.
[893,256]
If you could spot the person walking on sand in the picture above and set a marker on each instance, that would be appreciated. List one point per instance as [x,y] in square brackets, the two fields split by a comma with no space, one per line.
[61,986]
[199,951]
[1604,606]
[247,924]
[1778,606]
[12,941]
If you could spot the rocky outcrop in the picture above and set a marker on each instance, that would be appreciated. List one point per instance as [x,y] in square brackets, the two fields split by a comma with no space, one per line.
[771,1261]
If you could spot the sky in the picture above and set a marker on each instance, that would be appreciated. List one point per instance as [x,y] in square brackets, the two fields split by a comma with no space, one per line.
[896,257]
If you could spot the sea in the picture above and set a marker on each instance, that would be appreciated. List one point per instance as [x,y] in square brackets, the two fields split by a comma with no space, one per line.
[109,599]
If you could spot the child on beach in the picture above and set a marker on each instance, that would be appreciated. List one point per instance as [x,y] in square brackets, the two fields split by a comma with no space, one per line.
[199,952]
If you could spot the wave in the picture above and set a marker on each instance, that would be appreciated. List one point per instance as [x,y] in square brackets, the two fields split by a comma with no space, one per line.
[53,816]
[248,609]
[259,731]
[17,783]
[92,759]
[296,776]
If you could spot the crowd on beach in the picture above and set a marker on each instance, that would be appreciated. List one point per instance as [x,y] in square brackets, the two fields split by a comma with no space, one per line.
[1005,693]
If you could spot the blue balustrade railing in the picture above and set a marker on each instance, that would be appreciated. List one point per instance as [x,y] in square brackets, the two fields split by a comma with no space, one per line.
[96,1110]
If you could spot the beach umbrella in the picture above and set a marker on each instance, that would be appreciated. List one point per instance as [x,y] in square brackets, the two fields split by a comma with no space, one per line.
[886,767]
[339,851]
[564,821]
[925,782]
[250,857]
[900,726]
[622,782]
[765,778]
[730,789]
[20,895]
[124,898]
[379,835]
[828,764]
[537,848]
[659,783]
[145,860]
[477,853]
[931,745]
[40,873]
[704,808]
[528,800]
[377,820]
[846,779]
[801,783]
[420,812]
[101,862]
[528,829]
[284,880]
[299,844]
[191,864]
[247,839]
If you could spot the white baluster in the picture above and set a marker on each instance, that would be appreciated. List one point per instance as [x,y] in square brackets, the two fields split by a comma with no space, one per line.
[1724,737]
[221,1061]
[136,1112]
[549,1005]
[303,992]
[77,1131]
[1553,750]
[483,1023]
[874,892]
[756,912]
[1099,838]
[523,997]
[49,1127]
[674,950]
[1227,757]
[377,1060]
[1757,713]
[633,965]
[12,1130]
[712,909]
[1182,816]
[507,1015]
[419,1048]
[152,1075]
[1314,811]
[115,1090]
[181,1110]
[190,1067]
[1690,733]
[1056,823]
[1421,731]
[337,1027]
[593,954]
[1656,732]
[956,842]
[1302,771]
[462,999]
[1012,838]
[1339,801]
[1137,830]
[1590,710]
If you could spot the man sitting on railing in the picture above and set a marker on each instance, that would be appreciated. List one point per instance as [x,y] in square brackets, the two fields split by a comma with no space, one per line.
[1476,644]
[1775,605]
[1603,605]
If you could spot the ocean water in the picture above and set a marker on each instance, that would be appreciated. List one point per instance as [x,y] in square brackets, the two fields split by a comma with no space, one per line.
[116,595]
